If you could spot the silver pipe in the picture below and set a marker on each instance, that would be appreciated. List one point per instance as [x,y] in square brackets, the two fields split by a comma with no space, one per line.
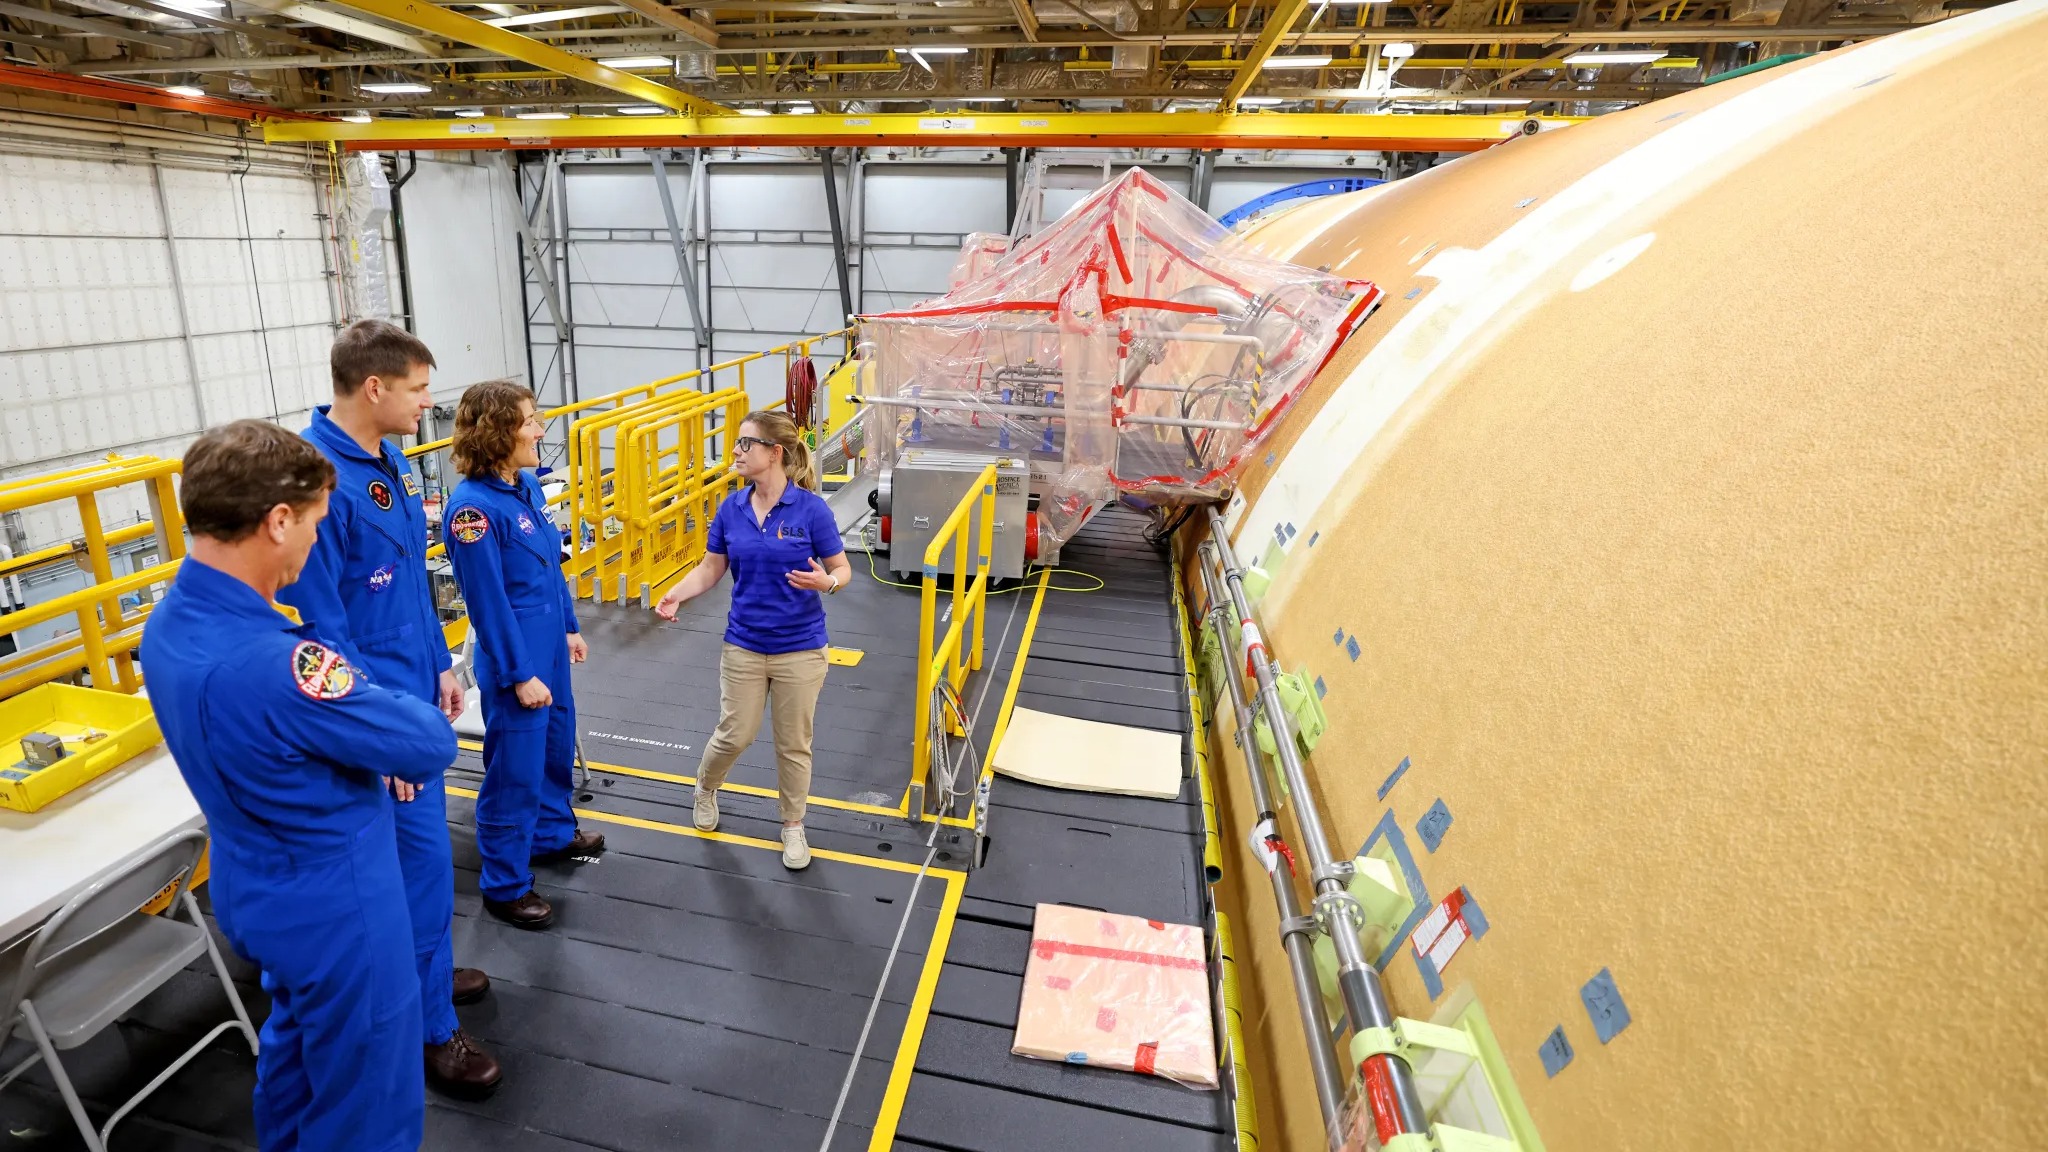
[1295,937]
[966,406]
[1365,1001]
[1177,422]
[1204,338]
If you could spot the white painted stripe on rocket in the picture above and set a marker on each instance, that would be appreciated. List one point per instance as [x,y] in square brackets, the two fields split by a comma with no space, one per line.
[1481,292]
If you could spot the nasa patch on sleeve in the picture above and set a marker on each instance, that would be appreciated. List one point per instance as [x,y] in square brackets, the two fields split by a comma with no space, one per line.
[320,672]
[469,525]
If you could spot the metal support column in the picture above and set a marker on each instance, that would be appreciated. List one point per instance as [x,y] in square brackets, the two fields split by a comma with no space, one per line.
[686,258]
[838,238]
[163,207]
[529,226]
[1204,177]
[572,381]
[1389,1081]
[1296,931]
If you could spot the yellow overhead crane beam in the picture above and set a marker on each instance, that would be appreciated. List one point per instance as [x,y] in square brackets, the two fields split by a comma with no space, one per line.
[452,25]
[1278,22]
[1357,132]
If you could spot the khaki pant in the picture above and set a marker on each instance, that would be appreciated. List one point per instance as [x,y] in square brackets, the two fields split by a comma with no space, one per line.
[788,683]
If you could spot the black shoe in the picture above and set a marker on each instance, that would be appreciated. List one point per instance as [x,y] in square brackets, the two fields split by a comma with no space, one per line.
[461,1068]
[529,911]
[581,844]
[470,985]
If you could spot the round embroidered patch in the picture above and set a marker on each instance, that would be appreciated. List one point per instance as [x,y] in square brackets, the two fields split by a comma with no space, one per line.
[380,495]
[469,525]
[321,673]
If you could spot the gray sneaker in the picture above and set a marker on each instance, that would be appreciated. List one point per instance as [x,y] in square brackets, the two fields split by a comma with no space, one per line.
[796,851]
[704,814]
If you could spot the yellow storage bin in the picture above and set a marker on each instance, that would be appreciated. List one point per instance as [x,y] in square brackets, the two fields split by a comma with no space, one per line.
[99,730]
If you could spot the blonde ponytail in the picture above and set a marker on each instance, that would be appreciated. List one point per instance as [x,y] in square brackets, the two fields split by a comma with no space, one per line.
[778,429]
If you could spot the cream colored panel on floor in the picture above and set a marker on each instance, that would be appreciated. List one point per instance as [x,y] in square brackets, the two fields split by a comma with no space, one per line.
[1061,752]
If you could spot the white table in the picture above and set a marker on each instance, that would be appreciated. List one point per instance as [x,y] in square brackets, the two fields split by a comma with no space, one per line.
[54,854]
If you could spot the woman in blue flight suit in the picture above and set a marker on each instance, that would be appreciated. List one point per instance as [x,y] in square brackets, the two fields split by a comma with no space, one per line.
[508,562]
[285,745]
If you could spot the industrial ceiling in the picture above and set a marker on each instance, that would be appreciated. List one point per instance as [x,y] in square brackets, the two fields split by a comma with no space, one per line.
[391,61]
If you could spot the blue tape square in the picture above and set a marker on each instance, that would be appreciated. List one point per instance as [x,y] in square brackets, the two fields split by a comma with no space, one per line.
[1292,531]
[1389,829]
[1555,1052]
[1475,920]
[1322,689]
[1394,778]
[1434,823]
[1269,459]
[1313,537]
[1352,649]
[1339,639]
[1603,1004]
[1414,292]
[1432,980]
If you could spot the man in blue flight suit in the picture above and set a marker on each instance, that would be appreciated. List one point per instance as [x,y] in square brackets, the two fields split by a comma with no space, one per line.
[366,588]
[285,746]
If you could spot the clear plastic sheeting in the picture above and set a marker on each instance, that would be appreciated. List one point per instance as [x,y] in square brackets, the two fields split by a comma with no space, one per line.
[1118,992]
[978,257]
[1128,349]
[366,286]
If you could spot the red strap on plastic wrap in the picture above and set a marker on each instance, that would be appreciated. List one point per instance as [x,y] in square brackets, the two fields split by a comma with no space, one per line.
[1047,949]
[1116,249]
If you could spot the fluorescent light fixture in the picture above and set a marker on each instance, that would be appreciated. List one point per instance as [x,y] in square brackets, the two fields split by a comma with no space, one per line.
[1297,62]
[1349,3]
[802,110]
[753,112]
[1600,59]
[186,90]
[397,88]
[1483,101]
[642,110]
[980,99]
[1398,50]
[1259,101]
[196,5]
[356,117]
[942,50]
[636,63]
[543,115]
[470,113]
[551,17]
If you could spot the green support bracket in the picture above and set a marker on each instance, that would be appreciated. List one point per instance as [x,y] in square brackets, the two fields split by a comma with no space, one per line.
[1256,580]
[1304,713]
[1415,1043]
[1411,1142]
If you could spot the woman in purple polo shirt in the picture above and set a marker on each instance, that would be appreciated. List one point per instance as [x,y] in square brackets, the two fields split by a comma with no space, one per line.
[773,535]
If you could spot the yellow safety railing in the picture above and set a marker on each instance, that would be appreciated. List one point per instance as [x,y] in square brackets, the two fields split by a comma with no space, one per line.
[106,632]
[951,660]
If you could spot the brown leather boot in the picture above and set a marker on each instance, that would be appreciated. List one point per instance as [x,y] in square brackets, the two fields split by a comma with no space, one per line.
[470,985]
[529,911]
[581,844]
[462,1068]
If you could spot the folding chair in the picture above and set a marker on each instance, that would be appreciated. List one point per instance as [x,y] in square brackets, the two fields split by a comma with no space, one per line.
[99,956]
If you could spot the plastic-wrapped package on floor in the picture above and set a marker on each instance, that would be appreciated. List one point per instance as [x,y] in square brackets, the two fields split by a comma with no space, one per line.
[1129,348]
[1118,992]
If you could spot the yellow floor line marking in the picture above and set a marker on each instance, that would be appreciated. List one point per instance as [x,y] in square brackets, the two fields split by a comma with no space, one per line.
[905,1061]
[901,811]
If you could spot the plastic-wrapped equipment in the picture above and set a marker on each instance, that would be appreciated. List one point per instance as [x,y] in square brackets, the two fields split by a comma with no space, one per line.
[977,257]
[1118,992]
[1128,348]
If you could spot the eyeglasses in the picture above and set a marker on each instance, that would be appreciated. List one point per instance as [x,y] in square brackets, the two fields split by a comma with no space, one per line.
[536,421]
[748,443]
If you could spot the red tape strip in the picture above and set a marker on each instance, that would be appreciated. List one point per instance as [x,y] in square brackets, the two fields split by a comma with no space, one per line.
[1146,1061]
[1047,949]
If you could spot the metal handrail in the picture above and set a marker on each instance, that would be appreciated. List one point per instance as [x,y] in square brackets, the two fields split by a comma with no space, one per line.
[1390,1090]
[950,661]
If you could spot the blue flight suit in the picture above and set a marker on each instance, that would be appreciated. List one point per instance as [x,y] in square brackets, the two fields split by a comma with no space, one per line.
[507,557]
[366,589]
[282,742]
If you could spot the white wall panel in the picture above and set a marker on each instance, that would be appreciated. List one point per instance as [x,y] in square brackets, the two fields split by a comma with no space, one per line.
[931,198]
[462,241]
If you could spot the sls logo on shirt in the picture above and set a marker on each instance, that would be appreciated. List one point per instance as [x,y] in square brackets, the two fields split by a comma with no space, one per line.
[469,525]
[381,579]
[321,673]
[791,532]
[380,495]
